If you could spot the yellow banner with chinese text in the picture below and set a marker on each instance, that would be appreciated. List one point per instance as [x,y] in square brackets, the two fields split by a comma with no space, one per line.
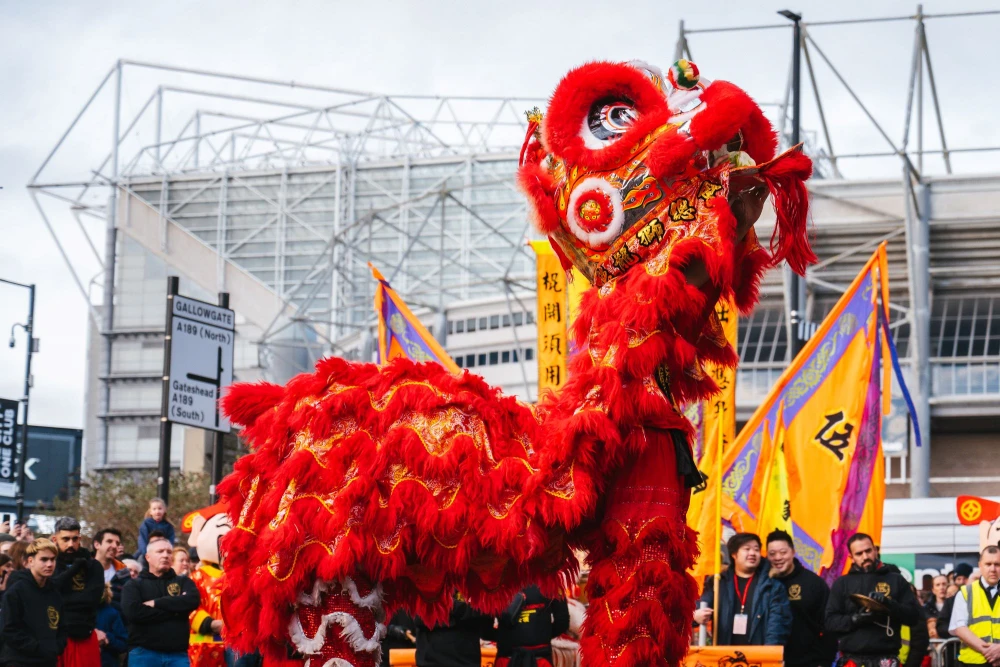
[558,302]
[708,417]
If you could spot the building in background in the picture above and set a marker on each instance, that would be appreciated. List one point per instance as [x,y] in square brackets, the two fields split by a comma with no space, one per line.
[281,194]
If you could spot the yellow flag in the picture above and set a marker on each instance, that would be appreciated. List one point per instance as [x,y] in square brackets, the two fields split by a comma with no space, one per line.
[776,506]
[830,401]
[712,418]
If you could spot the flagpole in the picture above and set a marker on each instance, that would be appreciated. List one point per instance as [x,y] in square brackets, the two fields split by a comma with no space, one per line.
[718,534]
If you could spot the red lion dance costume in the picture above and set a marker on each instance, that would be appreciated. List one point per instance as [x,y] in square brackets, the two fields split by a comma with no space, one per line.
[372,488]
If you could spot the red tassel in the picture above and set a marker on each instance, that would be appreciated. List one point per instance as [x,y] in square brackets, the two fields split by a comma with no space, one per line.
[786,179]
[528,136]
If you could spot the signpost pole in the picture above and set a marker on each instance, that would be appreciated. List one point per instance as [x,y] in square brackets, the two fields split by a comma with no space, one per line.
[30,330]
[166,427]
[217,437]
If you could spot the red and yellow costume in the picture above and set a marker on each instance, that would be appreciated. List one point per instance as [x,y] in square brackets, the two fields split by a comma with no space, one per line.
[207,527]
[418,482]
[205,649]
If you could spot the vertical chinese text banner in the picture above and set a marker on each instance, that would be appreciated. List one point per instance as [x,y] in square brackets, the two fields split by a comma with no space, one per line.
[551,317]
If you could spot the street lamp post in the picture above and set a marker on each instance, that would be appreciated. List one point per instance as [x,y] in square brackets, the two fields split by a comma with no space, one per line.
[29,329]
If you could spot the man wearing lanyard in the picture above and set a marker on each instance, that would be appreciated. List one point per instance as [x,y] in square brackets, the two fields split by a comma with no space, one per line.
[975,618]
[753,607]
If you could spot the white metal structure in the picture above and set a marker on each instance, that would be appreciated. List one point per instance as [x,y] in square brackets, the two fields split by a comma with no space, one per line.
[281,193]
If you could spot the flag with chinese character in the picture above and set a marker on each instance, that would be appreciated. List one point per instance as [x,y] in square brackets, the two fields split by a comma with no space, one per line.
[826,409]
[400,333]
[712,418]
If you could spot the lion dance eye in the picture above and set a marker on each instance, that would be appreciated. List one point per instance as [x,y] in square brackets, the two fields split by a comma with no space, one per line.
[606,121]
[595,214]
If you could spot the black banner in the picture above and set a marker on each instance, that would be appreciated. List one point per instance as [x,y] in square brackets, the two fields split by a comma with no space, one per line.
[8,447]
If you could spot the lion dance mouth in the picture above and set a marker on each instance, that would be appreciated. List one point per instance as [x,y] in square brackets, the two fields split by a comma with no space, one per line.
[371,489]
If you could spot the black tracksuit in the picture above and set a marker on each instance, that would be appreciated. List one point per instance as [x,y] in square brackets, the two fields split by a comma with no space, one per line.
[808,594]
[80,580]
[164,626]
[527,627]
[456,644]
[868,637]
[30,620]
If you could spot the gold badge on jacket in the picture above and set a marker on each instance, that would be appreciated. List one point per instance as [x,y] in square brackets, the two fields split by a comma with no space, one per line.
[883,588]
[794,592]
[173,589]
[78,581]
[53,614]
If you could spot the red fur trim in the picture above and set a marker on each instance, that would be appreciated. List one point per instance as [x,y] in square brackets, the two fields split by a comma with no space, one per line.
[752,262]
[537,185]
[728,110]
[786,179]
[245,402]
[571,103]
[375,488]
[670,156]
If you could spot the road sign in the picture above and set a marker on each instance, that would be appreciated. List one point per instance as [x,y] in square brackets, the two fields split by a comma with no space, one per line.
[201,362]
[8,447]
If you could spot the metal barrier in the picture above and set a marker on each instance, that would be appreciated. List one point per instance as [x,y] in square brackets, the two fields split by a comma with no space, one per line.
[944,652]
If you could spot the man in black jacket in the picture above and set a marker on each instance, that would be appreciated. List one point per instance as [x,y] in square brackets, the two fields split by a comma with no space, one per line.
[527,628]
[456,644]
[870,639]
[808,645]
[29,621]
[80,580]
[156,607]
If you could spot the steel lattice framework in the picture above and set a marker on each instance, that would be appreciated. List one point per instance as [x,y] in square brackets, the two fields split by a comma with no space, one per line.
[282,193]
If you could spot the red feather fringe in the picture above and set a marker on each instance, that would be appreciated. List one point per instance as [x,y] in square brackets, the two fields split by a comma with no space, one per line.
[786,179]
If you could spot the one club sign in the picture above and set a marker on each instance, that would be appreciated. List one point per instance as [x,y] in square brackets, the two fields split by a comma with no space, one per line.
[201,362]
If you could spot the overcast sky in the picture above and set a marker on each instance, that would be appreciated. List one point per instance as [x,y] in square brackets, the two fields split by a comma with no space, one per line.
[55,54]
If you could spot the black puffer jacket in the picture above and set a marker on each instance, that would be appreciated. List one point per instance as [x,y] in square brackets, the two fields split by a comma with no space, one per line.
[32,633]
[868,637]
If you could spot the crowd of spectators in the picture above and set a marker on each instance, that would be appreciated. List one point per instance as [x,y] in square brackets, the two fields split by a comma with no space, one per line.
[66,601]
[69,601]
[870,617]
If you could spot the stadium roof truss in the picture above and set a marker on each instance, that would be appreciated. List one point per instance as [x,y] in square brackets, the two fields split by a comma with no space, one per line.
[285,191]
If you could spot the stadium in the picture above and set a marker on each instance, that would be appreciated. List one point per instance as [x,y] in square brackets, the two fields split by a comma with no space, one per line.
[282,193]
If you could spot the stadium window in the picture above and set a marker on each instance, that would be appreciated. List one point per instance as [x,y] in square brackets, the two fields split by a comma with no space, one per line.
[505,357]
[494,358]
[518,319]
[451,327]
[458,361]
[470,361]
[515,356]
[482,359]
[494,321]
[470,324]
[482,324]
[529,353]
[505,321]
[460,326]
[529,318]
